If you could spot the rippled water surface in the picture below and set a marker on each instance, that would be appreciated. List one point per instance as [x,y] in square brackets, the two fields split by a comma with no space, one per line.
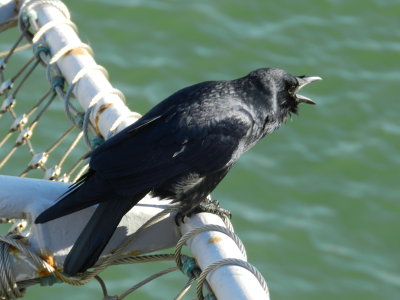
[317,202]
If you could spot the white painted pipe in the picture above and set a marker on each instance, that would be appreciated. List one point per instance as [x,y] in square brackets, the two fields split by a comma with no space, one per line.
[26,198]
[8,15]
[109,111]
[228,282]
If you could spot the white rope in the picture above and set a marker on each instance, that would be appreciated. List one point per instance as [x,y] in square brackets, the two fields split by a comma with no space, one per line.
[30,4]
[101,94]
[85,71]
[90,109]
[134,115]
[69,48]
[46,27]
[9,287]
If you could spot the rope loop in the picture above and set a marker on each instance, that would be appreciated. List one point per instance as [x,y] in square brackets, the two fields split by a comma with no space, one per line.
[9,288]
[210,227]
[40,48]
[229,261]
[57,82]
[49,281]
[96,141]
[189,266]
[30,4]
[52,24]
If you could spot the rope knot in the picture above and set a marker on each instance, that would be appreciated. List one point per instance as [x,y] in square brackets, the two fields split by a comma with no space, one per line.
[39,48]
[28,15]
[57,82]
[96,141]
[189,266]
[49,281]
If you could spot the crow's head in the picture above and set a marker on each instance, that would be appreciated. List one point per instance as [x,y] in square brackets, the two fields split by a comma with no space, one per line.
[281,89]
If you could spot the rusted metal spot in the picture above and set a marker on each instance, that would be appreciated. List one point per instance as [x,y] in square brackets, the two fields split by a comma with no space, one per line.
[214,240]
[97,117]
[134,252]
[77,51]
[50,260]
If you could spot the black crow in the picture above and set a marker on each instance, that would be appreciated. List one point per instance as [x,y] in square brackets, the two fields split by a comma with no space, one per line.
[181,149]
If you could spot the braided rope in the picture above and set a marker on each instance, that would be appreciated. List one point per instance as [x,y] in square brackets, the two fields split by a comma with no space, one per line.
[210,227]
[120,119]
[228,261]
[60,53]
[30,4]
[9,287]
[26,11]
[46,27]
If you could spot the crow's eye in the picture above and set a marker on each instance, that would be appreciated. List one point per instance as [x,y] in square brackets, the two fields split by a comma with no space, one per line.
[292,90]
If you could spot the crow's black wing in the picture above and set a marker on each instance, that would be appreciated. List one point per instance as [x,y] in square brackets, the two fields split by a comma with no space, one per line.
[169,146]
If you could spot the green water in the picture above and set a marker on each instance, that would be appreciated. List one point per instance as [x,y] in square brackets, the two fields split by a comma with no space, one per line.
[316,203]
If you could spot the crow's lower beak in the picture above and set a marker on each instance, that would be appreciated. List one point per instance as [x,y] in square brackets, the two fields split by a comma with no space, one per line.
[303,81]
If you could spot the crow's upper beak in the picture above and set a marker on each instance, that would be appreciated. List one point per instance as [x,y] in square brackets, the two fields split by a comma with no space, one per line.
[303,81]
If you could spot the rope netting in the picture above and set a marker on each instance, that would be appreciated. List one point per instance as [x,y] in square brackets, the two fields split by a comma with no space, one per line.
[24,124]
[45,134]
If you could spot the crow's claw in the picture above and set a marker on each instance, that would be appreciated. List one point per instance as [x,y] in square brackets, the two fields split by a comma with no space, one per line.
[212,206]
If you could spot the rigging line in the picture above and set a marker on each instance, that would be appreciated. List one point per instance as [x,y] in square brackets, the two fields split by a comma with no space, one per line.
[13,48]
[102,285]
[60,140]
[229,261]
[33,124]
[68,106]
[185,289]
[17,49]
[69,150]
[5,138]
[17,88]
[148,279]
[22,69]
[76,165]
[37,104]
[81,172]
[135,259]
[23,119]
[210,227]
[8,156]
[41,112]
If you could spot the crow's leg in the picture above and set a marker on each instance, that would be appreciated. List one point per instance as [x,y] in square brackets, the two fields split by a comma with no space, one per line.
[207,205]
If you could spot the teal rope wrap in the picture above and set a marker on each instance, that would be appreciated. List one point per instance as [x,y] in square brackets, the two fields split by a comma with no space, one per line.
[39,48]
[97,141]
[57,82]
[189,267]
[210,297]
[25,18]
[49,281]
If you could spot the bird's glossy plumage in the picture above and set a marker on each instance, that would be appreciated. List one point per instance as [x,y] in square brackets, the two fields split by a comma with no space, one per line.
[181,149]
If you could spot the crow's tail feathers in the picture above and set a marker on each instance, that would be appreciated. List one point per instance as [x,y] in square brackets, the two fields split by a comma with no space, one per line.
[96,234]
[87,191]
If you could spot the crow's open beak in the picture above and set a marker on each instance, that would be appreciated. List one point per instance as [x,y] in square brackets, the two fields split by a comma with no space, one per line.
[303,81]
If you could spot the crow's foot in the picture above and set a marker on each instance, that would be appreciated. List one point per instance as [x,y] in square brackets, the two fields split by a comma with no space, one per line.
[212,206]
[208,205]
